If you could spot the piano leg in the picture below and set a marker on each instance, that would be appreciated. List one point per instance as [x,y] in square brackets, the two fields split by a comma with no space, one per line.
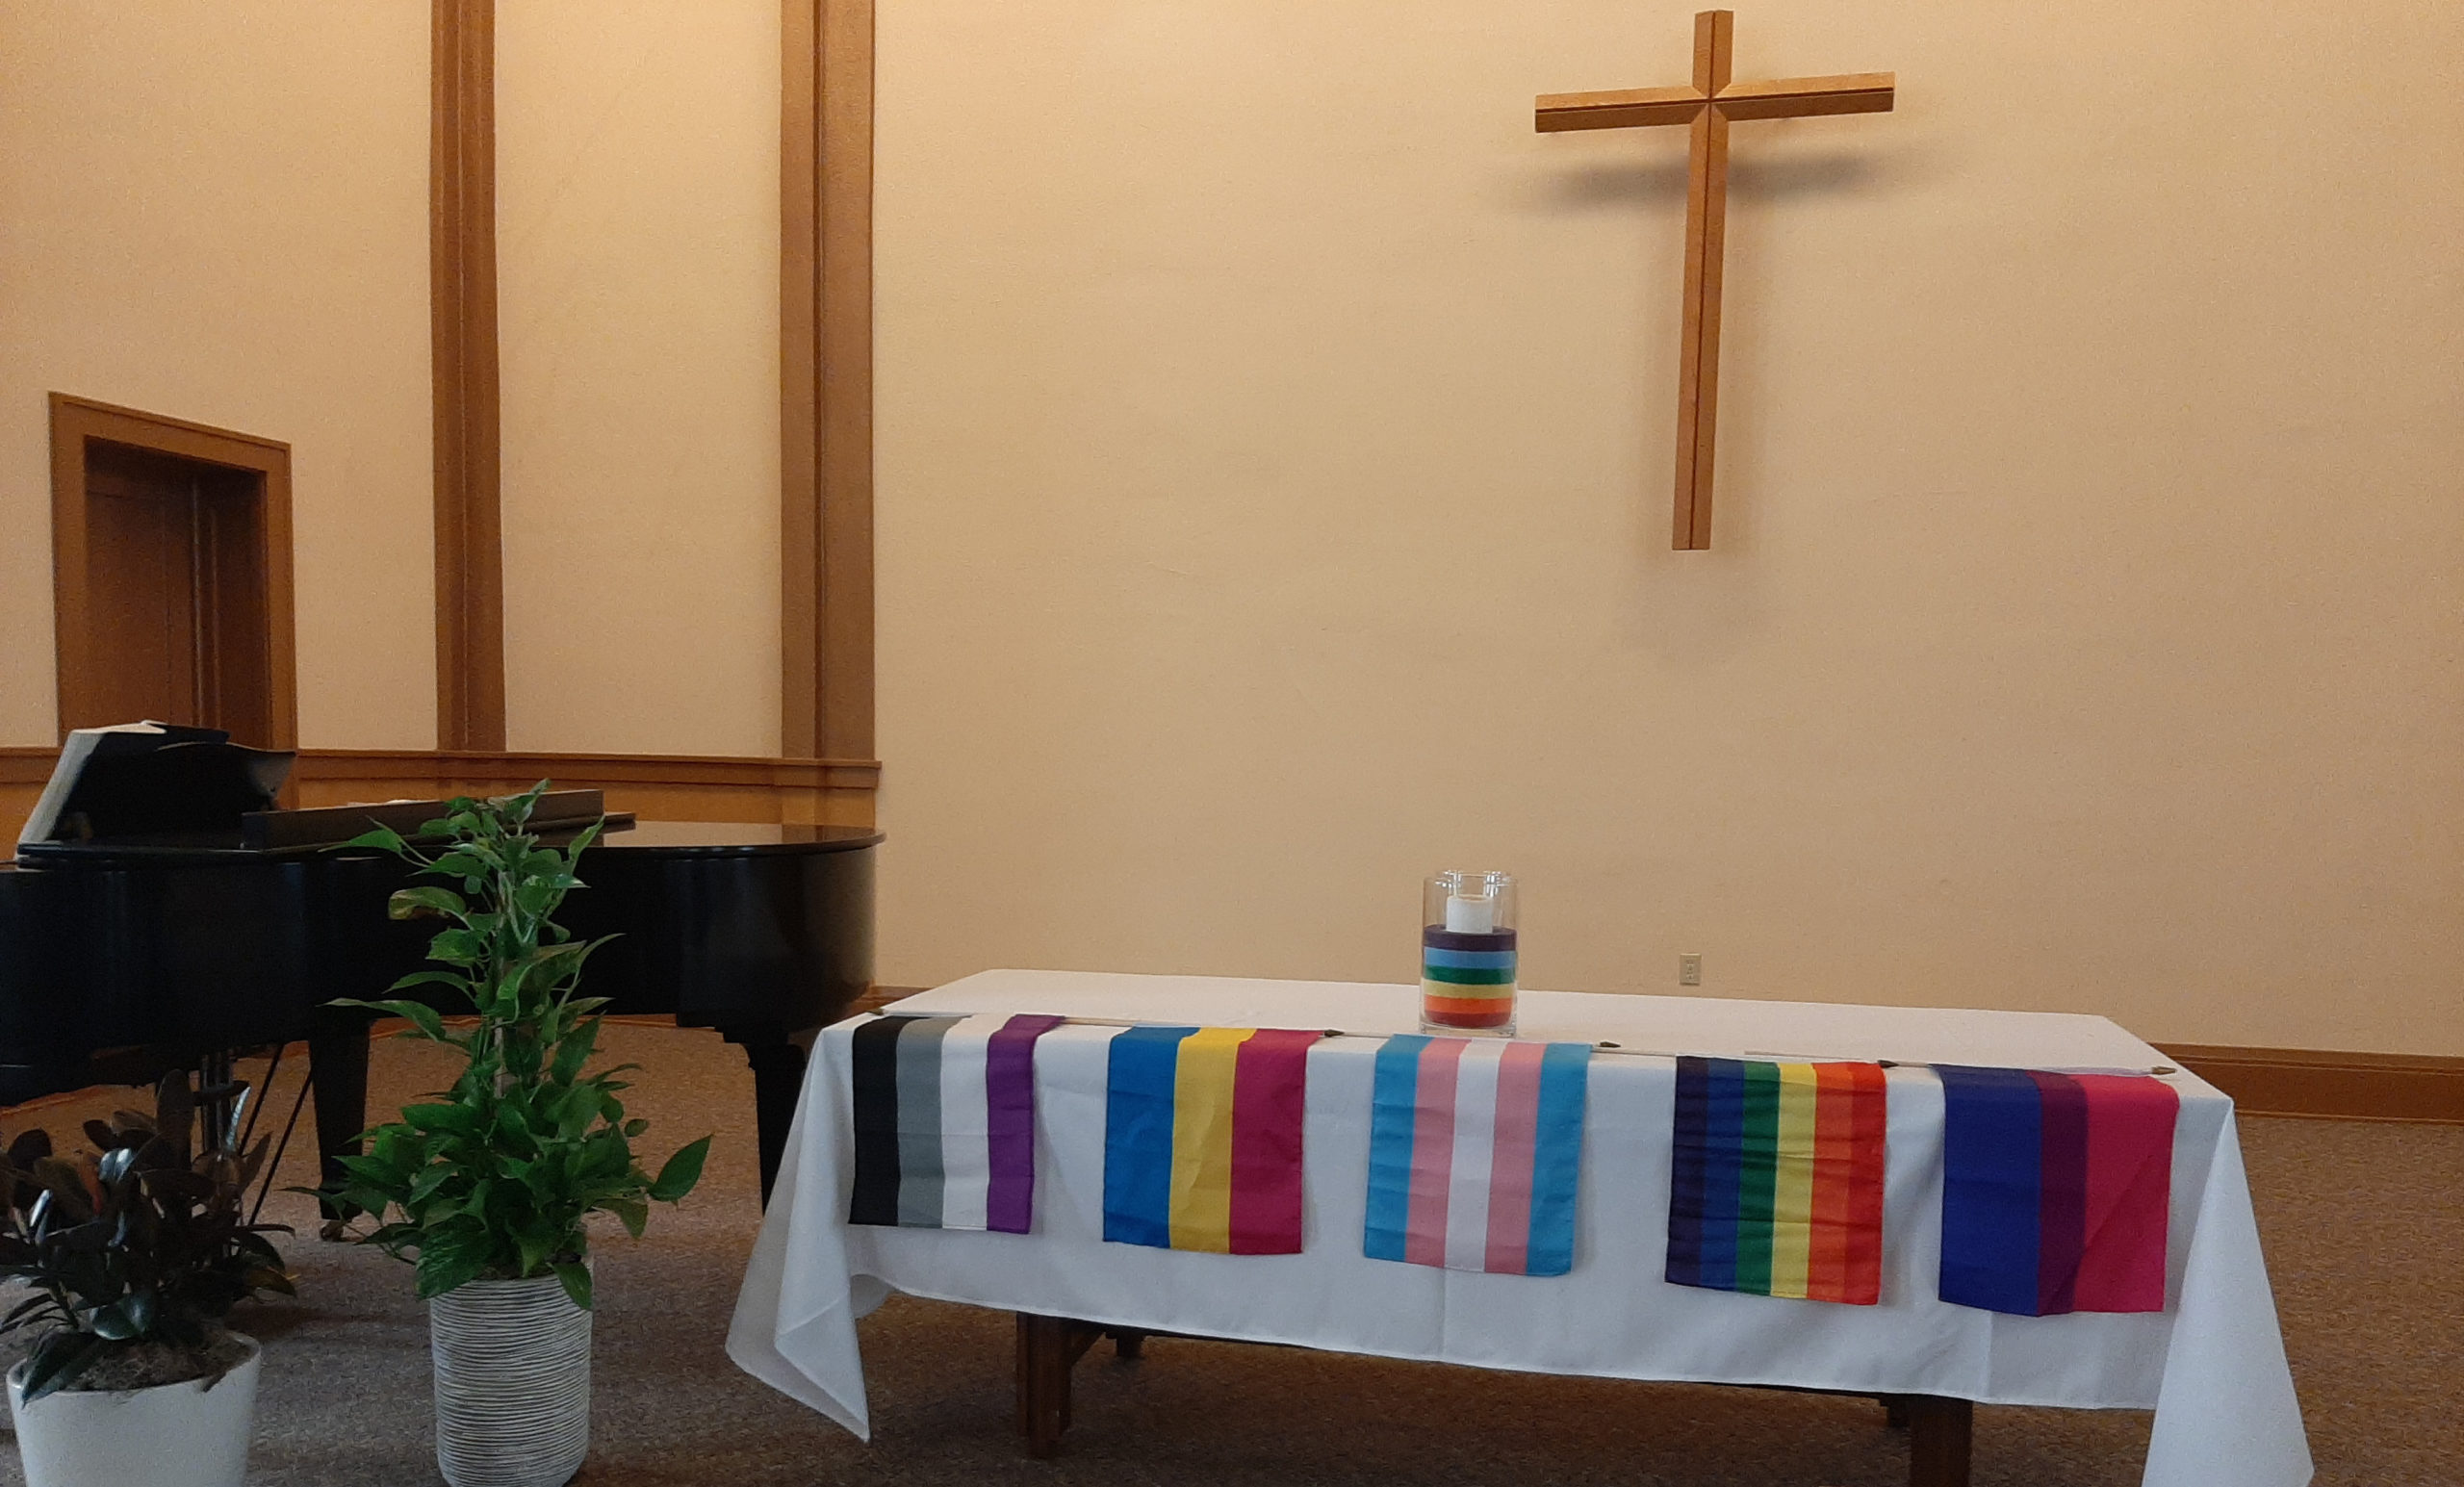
[338,1063]
[778,1077]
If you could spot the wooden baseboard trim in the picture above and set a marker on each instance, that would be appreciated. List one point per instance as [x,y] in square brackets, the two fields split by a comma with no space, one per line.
[2331,1085]
[880,997]
[683,769]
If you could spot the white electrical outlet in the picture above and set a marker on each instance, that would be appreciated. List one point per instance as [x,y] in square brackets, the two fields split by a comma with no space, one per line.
[1689,970]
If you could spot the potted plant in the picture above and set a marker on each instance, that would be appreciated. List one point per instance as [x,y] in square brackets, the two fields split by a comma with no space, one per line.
[134,1256]
[487,1187]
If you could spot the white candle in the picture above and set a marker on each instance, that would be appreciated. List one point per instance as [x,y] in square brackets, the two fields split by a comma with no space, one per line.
[1466,915]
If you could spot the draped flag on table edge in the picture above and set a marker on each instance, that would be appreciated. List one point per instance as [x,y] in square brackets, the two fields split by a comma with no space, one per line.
[945,1121]
[1475,1153]
[2056,1189]
[1202,1138]
[1776,1178]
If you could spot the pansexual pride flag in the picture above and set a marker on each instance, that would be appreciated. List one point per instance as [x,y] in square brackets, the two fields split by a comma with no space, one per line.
[946,1122]
[2055,1190]
[1202,1139]
[1475,1150]
[1776,1185]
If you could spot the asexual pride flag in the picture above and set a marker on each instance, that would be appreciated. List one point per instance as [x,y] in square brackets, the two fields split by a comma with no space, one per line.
[946,1122]
[1202,1138]
[2055,1190]
[1776,1182]
[1475,1153]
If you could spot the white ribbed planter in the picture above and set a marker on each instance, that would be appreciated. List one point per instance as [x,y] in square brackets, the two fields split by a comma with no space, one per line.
[512,1383]
[171,1435]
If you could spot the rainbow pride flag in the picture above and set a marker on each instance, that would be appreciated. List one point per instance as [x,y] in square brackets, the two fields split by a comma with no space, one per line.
[2055,1190]
[1776,1184]
[1474,1151]
[1202,1138]
[945,1121]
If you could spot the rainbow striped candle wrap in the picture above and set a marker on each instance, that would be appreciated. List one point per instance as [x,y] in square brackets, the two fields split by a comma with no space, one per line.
[1466,977]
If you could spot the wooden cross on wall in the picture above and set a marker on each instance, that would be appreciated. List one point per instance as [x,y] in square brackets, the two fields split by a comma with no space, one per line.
[1708,105]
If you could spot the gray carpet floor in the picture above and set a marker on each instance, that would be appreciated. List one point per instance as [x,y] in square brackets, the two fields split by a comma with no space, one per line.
[2364,1226]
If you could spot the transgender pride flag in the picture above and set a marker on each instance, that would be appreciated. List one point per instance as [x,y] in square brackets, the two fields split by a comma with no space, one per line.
[1475,1150]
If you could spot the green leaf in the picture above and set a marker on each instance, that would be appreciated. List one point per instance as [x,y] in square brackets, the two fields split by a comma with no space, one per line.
[587,835]
[425,1185]
[57,1360]
[457,947]
[633,1213]
[427,1020]
[365,1199]
[576,1279]
[682,1171]
[465,863]
[374,1171]
[383,838]
[440,1270]
[425,900]
[127,1319]
[457,1119]
[530,1249]
[575,1052]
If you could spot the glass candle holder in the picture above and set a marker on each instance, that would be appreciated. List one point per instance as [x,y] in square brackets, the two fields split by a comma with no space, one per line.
[1468,954]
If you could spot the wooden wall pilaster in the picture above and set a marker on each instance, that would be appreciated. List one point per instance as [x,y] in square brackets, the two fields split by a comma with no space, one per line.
[826,383]
[462,310]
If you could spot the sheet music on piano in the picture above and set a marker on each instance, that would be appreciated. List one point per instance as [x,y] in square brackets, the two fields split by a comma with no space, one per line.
[150,778]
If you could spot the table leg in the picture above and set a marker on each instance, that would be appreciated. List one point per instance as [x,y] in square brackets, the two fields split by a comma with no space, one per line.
[1043,1382]
[1940,1433]
[1128,1344]
[1049,1348]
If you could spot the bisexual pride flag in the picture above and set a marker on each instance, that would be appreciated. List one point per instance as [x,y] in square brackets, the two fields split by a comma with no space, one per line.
[1776,1182]
[2055,1190]
[1474,1151]
[945,1121]
[1202,1138]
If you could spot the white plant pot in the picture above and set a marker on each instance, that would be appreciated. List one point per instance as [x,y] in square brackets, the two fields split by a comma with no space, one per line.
[171,1435]
[512,1383]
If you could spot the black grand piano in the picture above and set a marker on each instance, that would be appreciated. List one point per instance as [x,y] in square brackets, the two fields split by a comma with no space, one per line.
[168,940]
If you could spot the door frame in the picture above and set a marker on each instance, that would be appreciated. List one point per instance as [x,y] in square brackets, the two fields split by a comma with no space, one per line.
[74,421]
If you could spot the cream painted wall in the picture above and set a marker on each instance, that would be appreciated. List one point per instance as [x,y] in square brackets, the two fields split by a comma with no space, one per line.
[637,240]
[219,213]
[1274,437]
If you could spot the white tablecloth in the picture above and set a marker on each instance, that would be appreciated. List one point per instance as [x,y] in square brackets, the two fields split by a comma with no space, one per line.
[2211,1366]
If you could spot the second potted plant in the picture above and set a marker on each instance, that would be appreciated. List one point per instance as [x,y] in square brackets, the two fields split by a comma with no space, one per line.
[134,1256]
[486,1188]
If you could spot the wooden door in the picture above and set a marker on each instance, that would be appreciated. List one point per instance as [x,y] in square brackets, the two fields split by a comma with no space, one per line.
[175,591]
[171,571]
